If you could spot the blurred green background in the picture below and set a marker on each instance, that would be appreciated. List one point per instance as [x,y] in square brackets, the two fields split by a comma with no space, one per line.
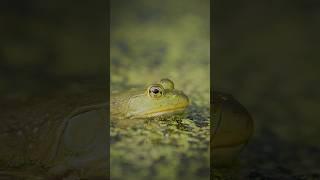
[52,45]
[151,40]
[266,54]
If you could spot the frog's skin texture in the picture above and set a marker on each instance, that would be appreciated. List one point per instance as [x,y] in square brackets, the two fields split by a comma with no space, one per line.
[232,128]
[77,144]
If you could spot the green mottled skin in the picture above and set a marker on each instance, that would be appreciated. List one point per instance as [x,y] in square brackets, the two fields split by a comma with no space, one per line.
[233,126]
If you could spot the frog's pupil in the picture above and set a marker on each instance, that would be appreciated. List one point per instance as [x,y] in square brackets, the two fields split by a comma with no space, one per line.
[155,91]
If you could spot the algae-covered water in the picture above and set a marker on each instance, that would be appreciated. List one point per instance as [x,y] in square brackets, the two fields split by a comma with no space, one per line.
[151,40]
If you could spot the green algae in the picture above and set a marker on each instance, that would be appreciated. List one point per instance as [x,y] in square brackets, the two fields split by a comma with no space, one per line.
[171,148]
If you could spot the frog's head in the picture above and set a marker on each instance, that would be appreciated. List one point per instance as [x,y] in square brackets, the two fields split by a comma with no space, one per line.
[157,100]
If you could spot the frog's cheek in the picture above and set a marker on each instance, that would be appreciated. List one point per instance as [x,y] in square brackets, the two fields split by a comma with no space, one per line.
[85,131]
[137,106]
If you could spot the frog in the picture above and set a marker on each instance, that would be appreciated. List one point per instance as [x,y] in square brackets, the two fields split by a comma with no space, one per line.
[155,101]
[233,126]
[76,146]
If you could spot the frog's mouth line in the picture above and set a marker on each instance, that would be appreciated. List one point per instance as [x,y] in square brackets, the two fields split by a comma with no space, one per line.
[165,111]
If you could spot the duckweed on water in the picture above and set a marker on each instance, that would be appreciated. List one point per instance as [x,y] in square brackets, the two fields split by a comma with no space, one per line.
[174,146]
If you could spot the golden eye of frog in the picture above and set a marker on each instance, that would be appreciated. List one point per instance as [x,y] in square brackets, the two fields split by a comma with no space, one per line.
[156,100]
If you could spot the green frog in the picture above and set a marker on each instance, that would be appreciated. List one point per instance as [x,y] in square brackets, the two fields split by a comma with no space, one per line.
[232,128]
[77,144]
[156,100]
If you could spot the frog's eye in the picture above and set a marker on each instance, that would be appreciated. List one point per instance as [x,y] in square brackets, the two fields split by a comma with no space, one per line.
[155,91]
[167,84]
